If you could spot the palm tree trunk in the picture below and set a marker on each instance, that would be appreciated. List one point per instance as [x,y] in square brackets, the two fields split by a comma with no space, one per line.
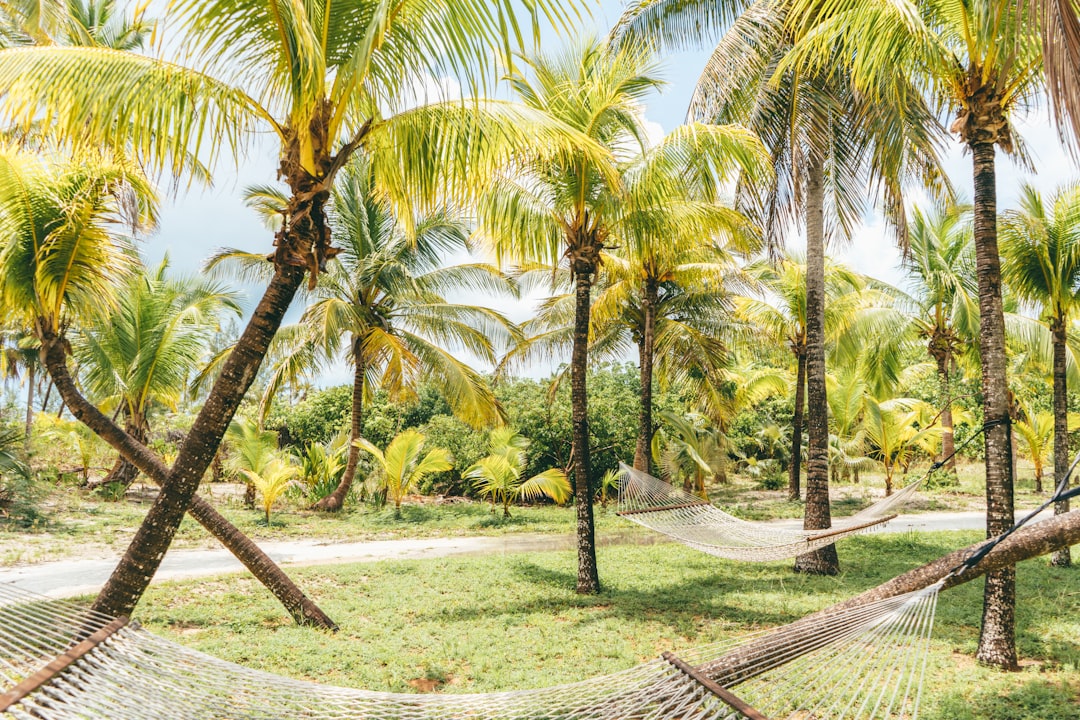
[1063,557]
[299,606]
[30,368]
[817,515]
[794,472]
[997,641]
[132,575]
[334,501]
[588,578]
[948,444]
[648,339]
[123,470]
[48,393]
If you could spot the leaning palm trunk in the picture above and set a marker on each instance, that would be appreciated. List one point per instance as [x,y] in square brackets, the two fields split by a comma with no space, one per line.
[817,515]
[794,489]
[302,609]
[335,500]
[1063,557]
[588,579]
[997,642]
[647,352]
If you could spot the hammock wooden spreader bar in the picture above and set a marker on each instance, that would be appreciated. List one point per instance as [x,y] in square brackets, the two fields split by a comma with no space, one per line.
[686,518]
[60,663]
[725,695]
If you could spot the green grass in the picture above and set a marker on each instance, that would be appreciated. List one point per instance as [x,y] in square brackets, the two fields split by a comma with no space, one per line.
[495,623]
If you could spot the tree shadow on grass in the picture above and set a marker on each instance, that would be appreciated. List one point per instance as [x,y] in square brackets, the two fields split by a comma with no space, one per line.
[1033,700]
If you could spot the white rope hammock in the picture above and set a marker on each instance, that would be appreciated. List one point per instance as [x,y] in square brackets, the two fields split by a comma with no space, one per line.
[684,517]
[60,661]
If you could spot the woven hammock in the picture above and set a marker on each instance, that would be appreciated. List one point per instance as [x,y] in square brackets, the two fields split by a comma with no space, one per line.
[58,661]
[684,517]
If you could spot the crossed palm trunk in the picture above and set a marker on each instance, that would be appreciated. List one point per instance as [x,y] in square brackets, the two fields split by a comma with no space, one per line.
[54,355]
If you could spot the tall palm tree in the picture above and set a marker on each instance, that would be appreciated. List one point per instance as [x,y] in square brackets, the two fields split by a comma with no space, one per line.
[59,261]
[573,207]
[670,296]
[983,60]
[144,351]
[1041,264]
[383,303]
[326,79]
[940,265]
[827,145]
[781,314]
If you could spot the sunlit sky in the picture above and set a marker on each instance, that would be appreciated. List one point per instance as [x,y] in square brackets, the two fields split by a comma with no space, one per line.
[197,221]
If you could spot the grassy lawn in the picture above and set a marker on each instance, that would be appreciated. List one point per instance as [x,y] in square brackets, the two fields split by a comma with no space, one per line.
[75,523]
[483,624]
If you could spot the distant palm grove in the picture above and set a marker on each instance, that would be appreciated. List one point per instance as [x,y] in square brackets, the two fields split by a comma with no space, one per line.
[524,284]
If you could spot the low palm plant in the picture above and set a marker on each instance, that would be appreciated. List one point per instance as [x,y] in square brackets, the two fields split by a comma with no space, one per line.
[894,432]
[401,464]
[322,465]
[253,449]
[272,482]
[499,476]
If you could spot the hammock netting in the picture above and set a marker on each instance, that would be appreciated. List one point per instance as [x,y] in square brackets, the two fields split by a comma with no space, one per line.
[694,522]
[863,663]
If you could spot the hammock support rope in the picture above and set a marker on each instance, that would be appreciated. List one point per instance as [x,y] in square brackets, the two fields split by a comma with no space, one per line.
[686,518]
[864,663]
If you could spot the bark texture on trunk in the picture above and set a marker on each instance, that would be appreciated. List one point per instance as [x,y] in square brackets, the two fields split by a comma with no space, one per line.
[817,515]
[588,578]
[138,565]
[299,606]
[795,470]
[1063,557]
[997,641]
[648,341]
[335,500]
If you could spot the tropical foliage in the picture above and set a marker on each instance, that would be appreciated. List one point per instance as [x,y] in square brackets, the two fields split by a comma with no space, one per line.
[500,475]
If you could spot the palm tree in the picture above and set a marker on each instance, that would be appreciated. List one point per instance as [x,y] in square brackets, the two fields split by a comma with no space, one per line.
[674,295]
[272,482]
[672,299]
[499,475]
[326,79]
[1036,430]
[782,316]
[383,302]
[940,265]
[59,262]
[827,145]
[143,351]
[893,433]
[984,60]
[401,464]
[573,207]
[1041,264]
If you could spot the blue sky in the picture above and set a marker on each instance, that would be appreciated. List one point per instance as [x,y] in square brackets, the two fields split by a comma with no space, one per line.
[196,221]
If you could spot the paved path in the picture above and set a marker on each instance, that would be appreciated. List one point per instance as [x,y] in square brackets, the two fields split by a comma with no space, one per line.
[64,578]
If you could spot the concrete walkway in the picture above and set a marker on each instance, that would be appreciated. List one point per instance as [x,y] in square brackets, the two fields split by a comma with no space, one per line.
[64,578]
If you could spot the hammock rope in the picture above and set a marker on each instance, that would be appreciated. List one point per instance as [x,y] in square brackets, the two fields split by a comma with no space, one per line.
[682,516]
[865,663]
